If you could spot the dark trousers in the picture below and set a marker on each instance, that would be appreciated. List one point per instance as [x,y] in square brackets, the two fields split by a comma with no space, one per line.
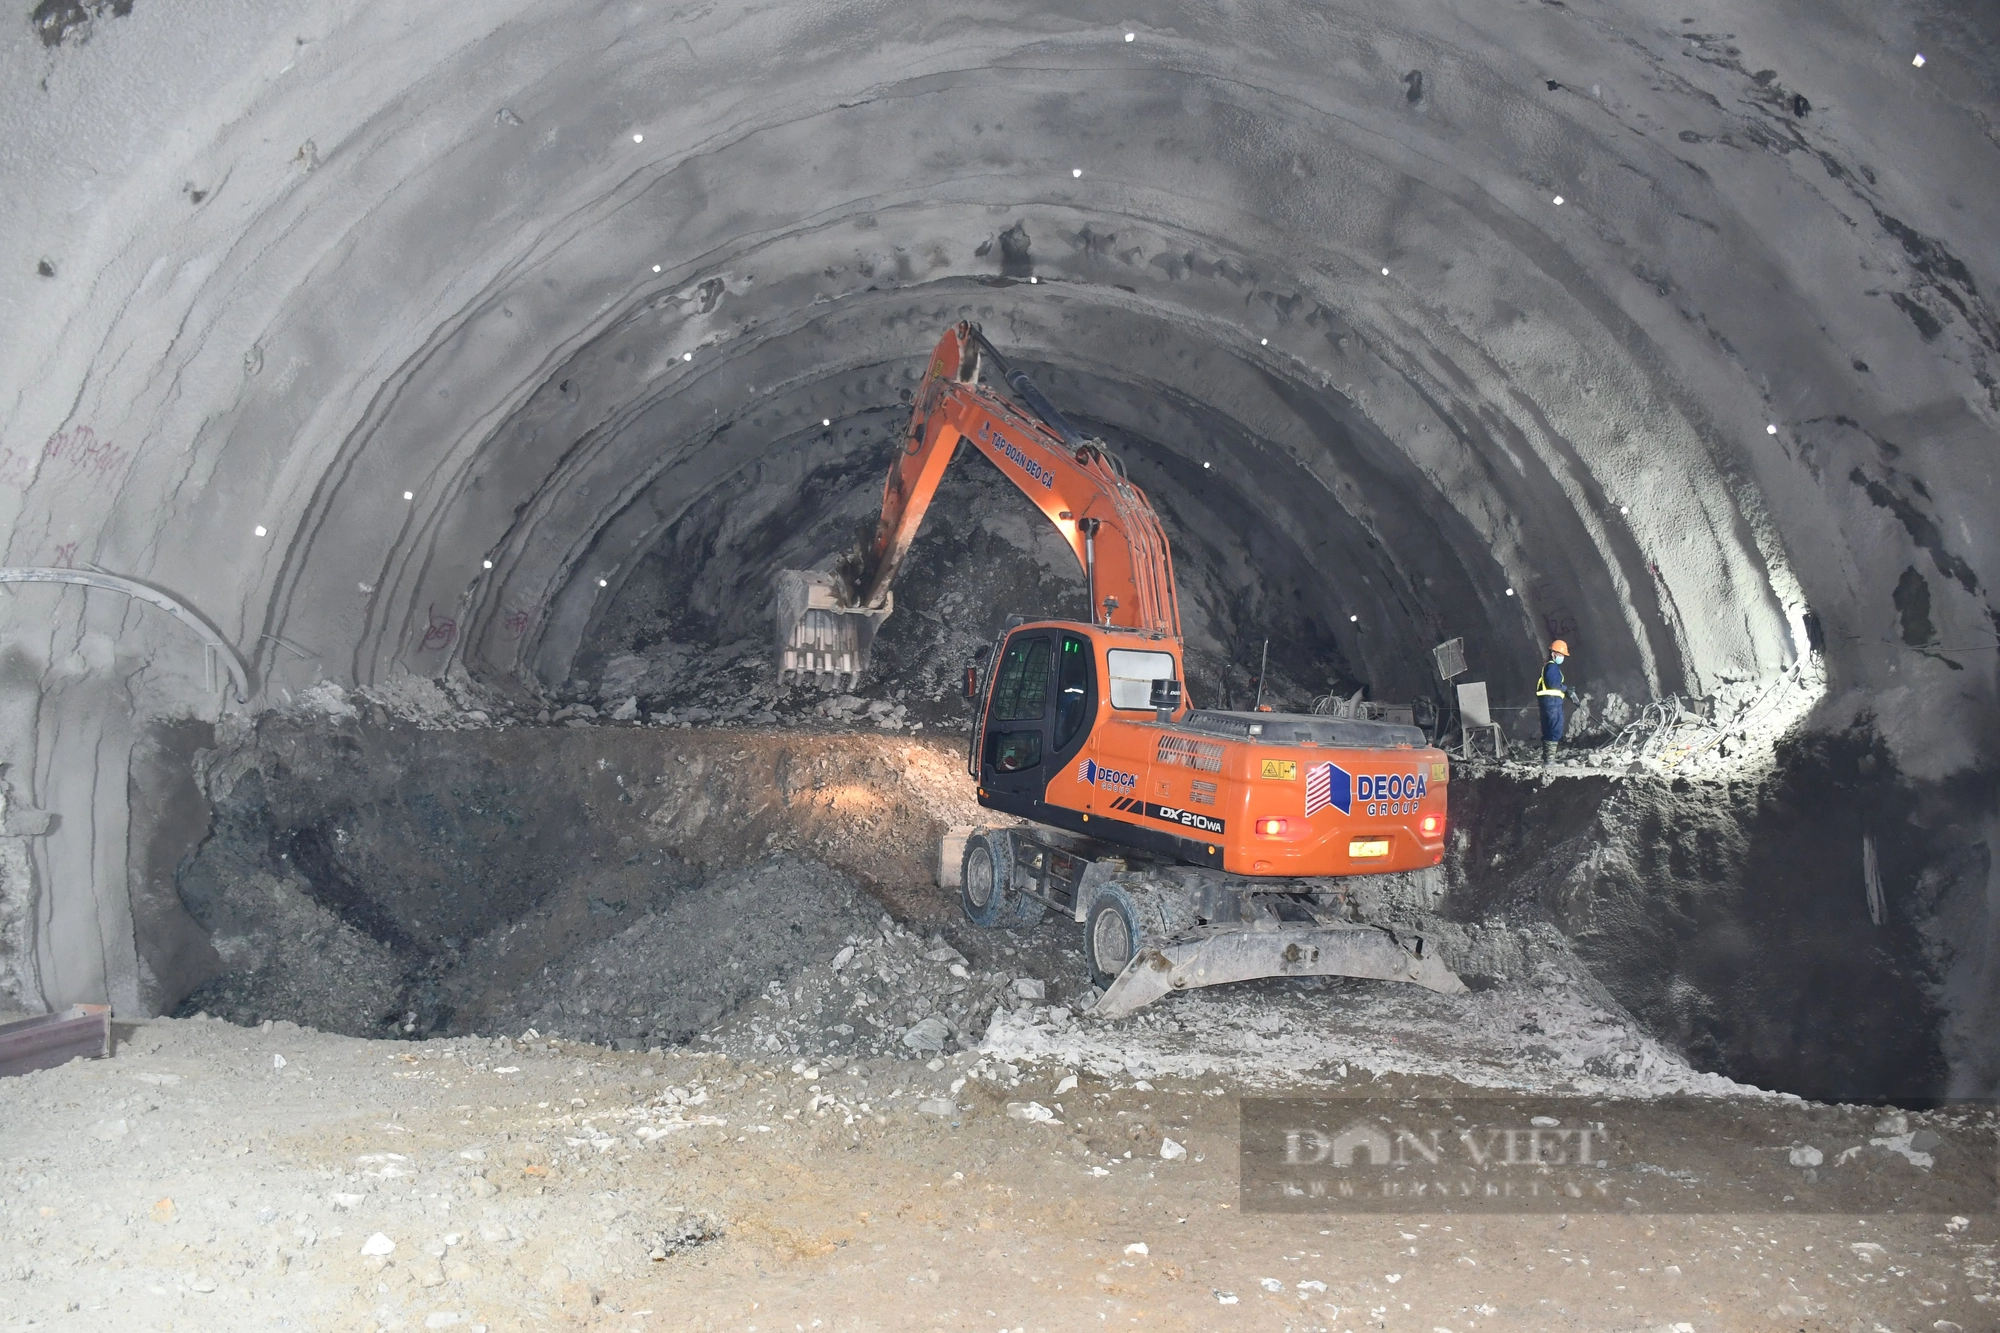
[1552,719]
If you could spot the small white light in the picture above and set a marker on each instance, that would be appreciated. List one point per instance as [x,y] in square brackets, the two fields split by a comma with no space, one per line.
[1510,592]
[1033,281]
[409,495]
[1133,36]
[826,421]
[1771,430]
[1624,509]
[604,583]
[1918,60]
[1206,466]
[687,356]
[259,529]
[1263,342]
[1559,201]
[656,268]
[1385,272]
[1076,173]
[638,138]
[1354,620]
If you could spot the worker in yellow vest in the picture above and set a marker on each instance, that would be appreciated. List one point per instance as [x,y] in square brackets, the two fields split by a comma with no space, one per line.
[1550,693]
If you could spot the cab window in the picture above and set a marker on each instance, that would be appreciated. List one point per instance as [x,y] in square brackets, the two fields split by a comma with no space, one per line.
[1072,689]
[1133,674]
[1022,694]
[1016,750]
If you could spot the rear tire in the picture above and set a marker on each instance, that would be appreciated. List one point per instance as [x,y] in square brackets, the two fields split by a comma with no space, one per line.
[1121,921]
[985,880]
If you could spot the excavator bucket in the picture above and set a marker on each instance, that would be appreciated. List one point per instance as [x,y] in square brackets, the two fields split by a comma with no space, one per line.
[820,640]
[1218,957]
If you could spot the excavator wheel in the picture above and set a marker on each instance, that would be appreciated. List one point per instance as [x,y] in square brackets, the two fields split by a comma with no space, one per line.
[1123,918]
[985,880]
[986,884]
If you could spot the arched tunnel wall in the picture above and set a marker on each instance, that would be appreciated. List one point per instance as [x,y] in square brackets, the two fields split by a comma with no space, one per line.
[398,339]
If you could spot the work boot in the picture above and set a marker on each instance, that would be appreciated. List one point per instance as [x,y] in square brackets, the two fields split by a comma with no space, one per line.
[1548,753]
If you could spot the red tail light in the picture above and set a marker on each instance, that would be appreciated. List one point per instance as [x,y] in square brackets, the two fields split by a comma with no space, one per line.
[1431,825]
[1271,828]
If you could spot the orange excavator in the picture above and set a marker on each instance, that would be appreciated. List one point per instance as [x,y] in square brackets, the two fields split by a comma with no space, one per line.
[1195,846]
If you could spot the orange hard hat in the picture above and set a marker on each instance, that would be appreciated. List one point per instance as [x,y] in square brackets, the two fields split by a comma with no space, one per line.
[1559,646]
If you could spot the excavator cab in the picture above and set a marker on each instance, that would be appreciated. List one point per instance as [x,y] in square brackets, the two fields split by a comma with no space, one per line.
[1037,715]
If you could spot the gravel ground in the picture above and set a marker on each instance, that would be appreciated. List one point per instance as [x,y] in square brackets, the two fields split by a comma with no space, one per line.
[210,1177]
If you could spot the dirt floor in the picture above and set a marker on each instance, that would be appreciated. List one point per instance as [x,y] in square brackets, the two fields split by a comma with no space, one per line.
[213,1177]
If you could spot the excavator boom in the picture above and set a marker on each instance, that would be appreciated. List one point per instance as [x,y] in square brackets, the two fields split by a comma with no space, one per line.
[827,620]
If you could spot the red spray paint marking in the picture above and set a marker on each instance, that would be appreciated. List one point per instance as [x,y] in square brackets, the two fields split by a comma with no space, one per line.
[82,451]
[66,555]
[76,451]
[441,632]
[517,624]
[16,469]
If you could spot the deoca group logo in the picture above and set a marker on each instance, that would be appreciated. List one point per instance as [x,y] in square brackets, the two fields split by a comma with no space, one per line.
[1092,773]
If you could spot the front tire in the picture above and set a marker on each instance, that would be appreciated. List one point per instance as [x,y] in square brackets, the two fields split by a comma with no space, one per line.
[1121,921]
[985,880]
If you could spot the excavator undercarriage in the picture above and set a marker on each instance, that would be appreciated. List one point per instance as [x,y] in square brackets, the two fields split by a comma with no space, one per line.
[1152,928]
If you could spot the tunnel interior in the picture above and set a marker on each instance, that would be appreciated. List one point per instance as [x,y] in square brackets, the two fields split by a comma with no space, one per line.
[470,371]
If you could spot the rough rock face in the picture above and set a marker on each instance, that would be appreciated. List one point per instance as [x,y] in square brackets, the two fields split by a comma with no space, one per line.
[390,880]
[1737,918]
[690,631]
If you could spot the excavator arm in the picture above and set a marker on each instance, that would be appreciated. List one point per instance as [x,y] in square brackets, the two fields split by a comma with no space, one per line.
[827,621]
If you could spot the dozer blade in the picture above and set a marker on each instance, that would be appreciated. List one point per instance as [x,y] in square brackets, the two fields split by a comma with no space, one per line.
[821,641]
[1289,951]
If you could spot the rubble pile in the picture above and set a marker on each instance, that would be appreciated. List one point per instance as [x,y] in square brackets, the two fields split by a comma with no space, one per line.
[893,992]
[690,962]
[1723,733]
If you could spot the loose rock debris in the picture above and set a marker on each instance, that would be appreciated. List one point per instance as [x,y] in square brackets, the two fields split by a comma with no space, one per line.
[684,1234]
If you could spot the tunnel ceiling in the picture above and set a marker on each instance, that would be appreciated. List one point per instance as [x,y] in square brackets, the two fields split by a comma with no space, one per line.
[1454,319]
